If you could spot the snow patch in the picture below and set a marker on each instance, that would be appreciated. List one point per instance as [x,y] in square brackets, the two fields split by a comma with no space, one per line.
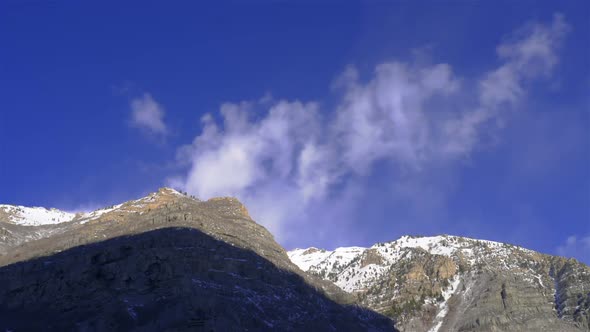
[443,306]
[35,216]
[97,213]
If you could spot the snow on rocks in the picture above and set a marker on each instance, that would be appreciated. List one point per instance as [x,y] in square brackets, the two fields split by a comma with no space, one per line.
[443,307]
[35,216]
[306,258]
[357,268]
[86,217]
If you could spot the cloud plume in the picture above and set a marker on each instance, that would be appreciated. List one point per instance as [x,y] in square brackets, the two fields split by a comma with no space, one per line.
[298,163]
[576,246]
[148,115]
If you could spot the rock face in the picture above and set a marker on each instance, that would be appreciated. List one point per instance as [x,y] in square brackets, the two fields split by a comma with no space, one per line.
[449,283]
[164,262]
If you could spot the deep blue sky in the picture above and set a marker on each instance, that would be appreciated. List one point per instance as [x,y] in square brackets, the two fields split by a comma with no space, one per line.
[70,70]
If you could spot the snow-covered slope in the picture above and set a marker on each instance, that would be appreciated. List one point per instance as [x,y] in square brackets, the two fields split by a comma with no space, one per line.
[307,258]
[356,268]
[34,216]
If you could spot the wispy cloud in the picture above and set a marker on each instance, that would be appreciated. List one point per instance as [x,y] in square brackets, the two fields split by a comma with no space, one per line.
[576,246]
[528,53]
[297,161]
[147,114]
[84,208]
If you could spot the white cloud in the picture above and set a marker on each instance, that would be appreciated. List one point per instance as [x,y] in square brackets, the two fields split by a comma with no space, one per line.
[578,247]
[387,117]
[256,161]
[289,161]
[147,114]
[84,208]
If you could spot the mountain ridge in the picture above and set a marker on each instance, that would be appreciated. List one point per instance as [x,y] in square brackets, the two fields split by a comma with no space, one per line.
[436,283]
[42,216]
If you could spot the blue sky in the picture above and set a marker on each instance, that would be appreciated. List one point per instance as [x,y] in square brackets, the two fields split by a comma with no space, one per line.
[337,124]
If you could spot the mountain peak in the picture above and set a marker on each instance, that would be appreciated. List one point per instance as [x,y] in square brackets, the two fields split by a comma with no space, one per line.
[167,191]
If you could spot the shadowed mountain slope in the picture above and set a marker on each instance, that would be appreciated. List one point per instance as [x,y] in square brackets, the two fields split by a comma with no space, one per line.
[164,262]
[168,279]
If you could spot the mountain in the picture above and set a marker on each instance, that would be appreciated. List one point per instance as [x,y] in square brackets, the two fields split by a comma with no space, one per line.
[451,283]
[163,262]
[169,261]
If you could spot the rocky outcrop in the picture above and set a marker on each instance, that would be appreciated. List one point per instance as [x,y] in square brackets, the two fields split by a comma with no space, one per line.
[371,257]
